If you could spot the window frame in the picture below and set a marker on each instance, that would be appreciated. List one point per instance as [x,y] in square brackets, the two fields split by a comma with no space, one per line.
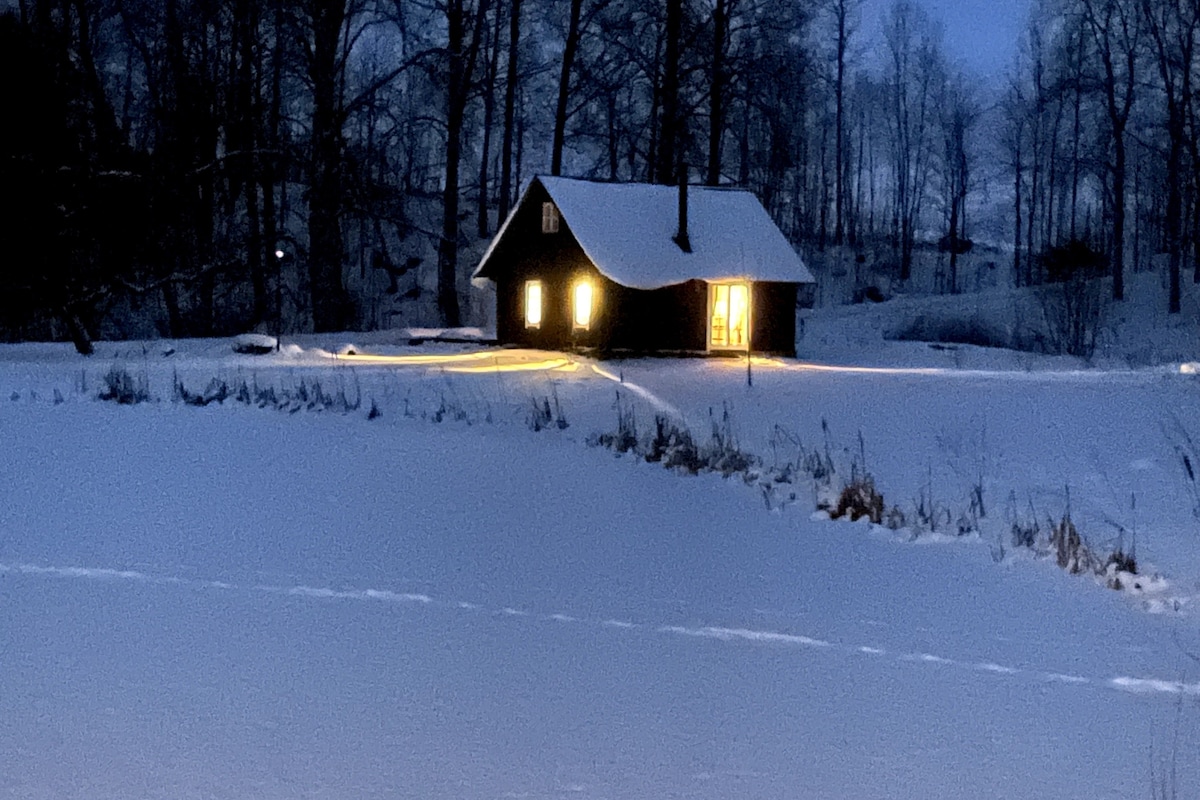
[713,298]
[550,217]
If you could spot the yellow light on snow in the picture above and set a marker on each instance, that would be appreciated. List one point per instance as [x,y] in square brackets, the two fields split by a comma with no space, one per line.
[486,361]
[583,304]
[766,363]
[544,365]
[533,304]
[424,360]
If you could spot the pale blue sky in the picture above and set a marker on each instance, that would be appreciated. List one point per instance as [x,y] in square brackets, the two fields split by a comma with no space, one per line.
[980,34]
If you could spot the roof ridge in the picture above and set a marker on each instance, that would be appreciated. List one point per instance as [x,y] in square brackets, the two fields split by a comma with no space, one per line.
[649,184]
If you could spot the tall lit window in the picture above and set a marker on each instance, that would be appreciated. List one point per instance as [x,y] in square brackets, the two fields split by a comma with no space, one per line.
[533,304]
[549,218]
[582,305]
[729,318]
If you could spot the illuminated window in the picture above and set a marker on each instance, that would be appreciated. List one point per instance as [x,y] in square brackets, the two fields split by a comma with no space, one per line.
[533,304]
[549,218]
[729,315]
[582,305]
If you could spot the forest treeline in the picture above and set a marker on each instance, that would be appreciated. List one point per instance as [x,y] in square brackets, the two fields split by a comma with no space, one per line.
[200,167]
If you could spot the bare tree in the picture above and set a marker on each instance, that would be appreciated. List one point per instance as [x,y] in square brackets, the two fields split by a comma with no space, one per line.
[844,12]
[465,29]
[488,90]
[1115,27]
[1038,129]
[570,45]
[915,57]
[510,105]
[1012,140]
[959,113]
[718,85]
[670,135]
[327,28]
[1172,28]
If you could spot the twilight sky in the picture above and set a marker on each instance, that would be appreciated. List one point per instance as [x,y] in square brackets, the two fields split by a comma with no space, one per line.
[980,34]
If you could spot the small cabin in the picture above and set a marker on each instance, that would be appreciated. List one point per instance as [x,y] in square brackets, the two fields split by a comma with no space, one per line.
[643,268]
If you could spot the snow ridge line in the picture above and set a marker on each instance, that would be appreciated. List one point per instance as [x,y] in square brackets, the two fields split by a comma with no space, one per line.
[1123,683]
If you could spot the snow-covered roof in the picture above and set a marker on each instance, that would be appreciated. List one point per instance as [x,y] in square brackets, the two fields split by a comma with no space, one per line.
[627,231]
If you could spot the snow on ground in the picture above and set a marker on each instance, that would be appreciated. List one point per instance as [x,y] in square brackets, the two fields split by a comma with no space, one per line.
[234,602]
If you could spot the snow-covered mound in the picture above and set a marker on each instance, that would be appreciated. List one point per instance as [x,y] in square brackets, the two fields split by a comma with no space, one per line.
[255,344]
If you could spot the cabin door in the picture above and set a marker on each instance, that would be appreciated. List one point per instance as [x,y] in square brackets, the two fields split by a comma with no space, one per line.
[728,316]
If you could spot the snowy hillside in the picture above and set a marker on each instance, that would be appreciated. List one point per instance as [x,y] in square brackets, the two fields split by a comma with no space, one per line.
[441,602]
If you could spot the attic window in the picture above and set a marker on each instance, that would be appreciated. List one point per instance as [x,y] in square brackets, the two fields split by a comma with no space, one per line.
[549,218]
[533,304]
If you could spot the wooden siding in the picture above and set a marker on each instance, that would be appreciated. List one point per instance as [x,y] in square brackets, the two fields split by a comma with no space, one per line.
[773,318]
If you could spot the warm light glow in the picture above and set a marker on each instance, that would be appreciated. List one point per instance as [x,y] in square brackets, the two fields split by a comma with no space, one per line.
[424,360]
[486,361]
[729,322]
[562,364]
[739,314]
[533,304]
[583,305]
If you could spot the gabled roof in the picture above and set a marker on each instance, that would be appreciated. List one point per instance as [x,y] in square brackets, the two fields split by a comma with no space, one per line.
[627,231]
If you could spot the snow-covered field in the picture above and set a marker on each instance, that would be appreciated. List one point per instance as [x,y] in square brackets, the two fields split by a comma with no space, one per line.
[234,602]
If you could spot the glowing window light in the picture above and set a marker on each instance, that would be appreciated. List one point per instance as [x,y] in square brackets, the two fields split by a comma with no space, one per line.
[729,323]
[533,304]
[583,305]
[719,327]
[738,314]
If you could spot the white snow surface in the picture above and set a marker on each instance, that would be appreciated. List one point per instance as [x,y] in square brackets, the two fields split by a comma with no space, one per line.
[235,602]
[627,230]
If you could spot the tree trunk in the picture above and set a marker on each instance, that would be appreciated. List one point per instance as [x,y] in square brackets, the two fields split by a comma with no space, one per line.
[510,105]
[1174,213]
[839,123]
[954,246]
[564,88]
[1017,213]
[270,174]
[325,247]
[1175,69]
[78,332]
[670,135]
[461,67]
[489,106]
[248,104]
[1034,175]
[1118,246]
[456,95]
[716,96]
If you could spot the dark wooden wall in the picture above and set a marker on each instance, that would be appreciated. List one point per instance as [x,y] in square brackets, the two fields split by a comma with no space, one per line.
[773,318]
